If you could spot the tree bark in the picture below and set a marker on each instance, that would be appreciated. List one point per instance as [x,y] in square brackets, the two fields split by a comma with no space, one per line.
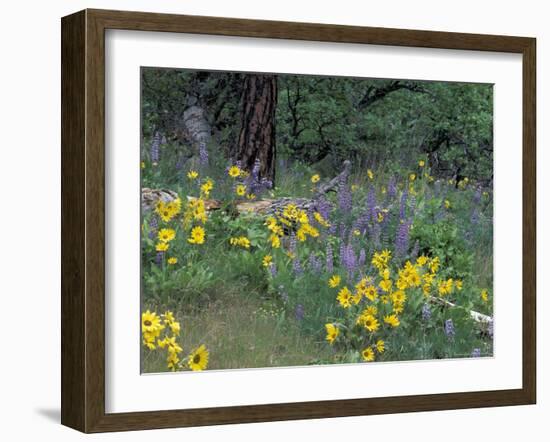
[257,135]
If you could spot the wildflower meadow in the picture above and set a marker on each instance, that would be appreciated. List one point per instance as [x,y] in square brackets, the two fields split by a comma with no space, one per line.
[298,220]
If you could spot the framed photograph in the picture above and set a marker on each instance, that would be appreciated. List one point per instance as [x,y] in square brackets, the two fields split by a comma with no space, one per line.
[269,220]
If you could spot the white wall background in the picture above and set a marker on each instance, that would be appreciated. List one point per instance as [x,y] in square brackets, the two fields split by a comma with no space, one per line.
[30,215]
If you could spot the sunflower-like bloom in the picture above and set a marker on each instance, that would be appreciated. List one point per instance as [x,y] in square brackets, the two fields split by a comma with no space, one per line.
[197,235]
[267,261]
[319,218]
[380,346]
[166,235]
[162,247]
[192,174]
[368,354]
[234,172]
[315,178]
[240,190]
[198,359]
[392,320]
[241,241]
[334,281]
[344,297]
[368,321]
[332,332]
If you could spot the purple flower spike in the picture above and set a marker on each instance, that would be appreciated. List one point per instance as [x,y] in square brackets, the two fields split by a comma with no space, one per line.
[403,205]
[449,328]
[426,312]
[155,148]
[402,239]
[297,266]
[362,258]
[203,154]
[159,258]
[299,312]
[392,188]
[476,353]
[330,259]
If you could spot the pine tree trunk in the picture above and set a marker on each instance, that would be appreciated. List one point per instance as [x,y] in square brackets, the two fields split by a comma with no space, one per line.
[257,136]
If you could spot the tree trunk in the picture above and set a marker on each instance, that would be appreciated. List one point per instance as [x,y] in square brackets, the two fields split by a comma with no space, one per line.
[257,136]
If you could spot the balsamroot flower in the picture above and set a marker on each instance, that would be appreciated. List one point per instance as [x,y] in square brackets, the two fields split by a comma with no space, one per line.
[198,359]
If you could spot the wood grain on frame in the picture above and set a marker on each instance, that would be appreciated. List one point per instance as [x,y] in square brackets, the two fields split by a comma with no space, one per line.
[83,220]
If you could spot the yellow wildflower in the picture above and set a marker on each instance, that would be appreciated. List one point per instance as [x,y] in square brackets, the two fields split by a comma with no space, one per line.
[197,235]
[344,297]
[198,359]
[392,320]
[334,281]
[332,332]
[234,172]
[368,354]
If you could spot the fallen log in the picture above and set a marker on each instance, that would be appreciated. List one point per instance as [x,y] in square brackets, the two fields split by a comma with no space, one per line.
[150,197]
[476,316]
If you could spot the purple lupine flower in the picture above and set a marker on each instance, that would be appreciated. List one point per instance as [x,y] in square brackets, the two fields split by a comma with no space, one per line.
[203,154]
[376,231]
[179,163]
[415,250]
[402,239]
[299,312]
[412,205]
[315,264]
[155,148]
[153,226]
[426,312]
[344,194]
[490,327]
[477,196]
[342,252]
[449,328]
[476,353]
[283,294]
[329,259]
[297,266]
[253,182]
[292,243]
[371,205]
[343,232]
[273,269]
[332,229]
[392,188]
[159,258]
[474,218]
[362,258]
[323,207]
[403,204]
[349,260]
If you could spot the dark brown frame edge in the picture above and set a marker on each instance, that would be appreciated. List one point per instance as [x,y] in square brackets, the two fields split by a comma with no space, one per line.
[83,216]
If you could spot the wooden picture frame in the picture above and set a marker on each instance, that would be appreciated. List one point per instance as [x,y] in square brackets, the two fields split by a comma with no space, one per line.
[83,220]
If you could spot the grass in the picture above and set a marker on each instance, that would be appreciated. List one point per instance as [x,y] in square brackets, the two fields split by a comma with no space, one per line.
[242,330]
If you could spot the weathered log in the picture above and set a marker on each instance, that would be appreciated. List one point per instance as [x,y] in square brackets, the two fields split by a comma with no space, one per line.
[476,316]
[149,197]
